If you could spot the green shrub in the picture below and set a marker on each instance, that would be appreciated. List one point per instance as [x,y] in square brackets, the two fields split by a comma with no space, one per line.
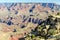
[32,36]
[51,31]
[58,13]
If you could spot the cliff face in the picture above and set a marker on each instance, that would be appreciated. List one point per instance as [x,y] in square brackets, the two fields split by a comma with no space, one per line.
[38,10]
[18,6]
[33,10]
[12,16]
[15,13]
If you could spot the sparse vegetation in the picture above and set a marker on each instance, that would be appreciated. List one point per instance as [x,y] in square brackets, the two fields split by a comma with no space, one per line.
[42,33]
[58,13]
[20,21]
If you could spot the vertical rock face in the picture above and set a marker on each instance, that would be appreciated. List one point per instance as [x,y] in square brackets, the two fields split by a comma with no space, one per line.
[21,17]
[20,8]
[19,13]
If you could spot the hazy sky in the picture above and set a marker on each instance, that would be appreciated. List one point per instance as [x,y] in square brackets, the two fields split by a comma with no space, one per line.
[33,1]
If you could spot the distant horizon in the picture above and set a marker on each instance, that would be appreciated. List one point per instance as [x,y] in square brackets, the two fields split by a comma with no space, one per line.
[30,1]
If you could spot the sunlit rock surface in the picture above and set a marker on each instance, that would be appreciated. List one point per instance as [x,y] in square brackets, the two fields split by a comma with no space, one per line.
[18,19]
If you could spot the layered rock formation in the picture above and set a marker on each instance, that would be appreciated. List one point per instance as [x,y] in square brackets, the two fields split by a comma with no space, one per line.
[18,17]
